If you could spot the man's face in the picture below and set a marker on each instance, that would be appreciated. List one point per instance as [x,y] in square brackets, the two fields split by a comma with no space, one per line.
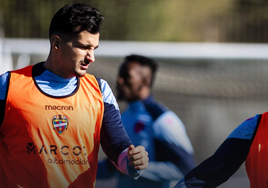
[76,53]
[129,86]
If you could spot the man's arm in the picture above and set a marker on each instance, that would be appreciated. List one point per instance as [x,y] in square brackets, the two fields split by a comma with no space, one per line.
[226,160]
[131,161]
[115,141]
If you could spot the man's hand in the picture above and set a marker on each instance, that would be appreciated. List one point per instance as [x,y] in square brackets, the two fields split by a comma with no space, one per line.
[138,157]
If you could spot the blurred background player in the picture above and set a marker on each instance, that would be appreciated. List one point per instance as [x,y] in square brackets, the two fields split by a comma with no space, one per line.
[151,124]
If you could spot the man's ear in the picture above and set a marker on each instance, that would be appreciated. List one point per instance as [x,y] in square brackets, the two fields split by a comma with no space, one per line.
[55,40]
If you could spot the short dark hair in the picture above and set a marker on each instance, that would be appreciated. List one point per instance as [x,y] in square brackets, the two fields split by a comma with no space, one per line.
[72,19]
[141,60]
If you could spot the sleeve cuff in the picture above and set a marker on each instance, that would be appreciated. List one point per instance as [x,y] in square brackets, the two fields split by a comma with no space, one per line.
[125,168]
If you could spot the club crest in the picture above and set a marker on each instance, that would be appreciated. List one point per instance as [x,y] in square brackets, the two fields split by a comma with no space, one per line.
[60,123]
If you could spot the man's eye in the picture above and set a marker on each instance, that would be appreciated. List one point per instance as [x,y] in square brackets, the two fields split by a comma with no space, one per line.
[86,48]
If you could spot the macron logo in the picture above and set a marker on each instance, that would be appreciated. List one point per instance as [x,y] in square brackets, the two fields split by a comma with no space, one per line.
[54,107]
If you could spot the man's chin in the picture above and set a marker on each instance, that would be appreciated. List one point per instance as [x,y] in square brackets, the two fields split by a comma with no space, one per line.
[81,73]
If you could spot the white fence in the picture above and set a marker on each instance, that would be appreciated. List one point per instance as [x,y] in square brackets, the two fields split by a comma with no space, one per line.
[153,49]
[167,50]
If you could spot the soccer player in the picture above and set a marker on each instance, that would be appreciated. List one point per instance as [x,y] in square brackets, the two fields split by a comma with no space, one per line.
[54,116]
[151,124]
[247,143]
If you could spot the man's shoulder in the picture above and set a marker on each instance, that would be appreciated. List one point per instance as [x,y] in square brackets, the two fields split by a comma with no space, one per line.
[3,84]
[154,107]
[23,70]
[107,93]
[246,129]
[3,78]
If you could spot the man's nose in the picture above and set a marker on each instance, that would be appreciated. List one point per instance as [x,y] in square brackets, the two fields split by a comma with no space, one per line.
[90,56]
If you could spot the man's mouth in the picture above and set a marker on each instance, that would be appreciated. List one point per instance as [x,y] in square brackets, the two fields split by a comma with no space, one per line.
[85,64]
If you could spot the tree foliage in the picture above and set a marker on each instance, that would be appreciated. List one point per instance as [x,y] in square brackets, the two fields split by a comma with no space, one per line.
[149,20]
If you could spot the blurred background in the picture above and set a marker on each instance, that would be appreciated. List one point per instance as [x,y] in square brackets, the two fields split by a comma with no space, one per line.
[212,55]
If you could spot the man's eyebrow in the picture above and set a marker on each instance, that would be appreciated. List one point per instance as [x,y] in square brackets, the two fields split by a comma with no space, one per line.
[87,45]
